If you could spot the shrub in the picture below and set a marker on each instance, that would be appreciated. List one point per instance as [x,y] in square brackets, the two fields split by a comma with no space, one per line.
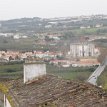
[10,70]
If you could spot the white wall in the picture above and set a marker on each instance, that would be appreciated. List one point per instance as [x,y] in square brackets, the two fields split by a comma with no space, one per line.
[32,71]
[6,102]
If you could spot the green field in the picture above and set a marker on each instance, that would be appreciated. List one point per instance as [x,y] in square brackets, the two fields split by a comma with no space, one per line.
[72,73]
[27,44]
[13,70]
[10,43]
[90,31]
[67,73]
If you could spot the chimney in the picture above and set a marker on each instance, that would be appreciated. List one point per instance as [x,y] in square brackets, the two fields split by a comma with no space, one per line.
[32,71]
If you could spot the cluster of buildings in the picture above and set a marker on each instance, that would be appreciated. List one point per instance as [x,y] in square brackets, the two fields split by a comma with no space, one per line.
[80,54]
[84,54]
[14,35]
[6,56]
[83,62]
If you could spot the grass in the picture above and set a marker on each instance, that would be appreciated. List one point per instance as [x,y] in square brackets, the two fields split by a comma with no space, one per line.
[21,44]
[72,73]
[11,70]
[102,80]
[67,73]
[27,44]
[15,67]
[89,31]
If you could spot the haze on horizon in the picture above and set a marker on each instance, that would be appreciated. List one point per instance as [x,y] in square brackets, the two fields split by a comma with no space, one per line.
[11,9]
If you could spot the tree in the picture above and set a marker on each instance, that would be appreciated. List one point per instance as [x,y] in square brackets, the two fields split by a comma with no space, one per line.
[68,35]
[47,38]
[17,57]
[10,58]
[103,54]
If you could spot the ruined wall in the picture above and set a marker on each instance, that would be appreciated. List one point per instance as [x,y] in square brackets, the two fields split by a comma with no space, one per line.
[32,71]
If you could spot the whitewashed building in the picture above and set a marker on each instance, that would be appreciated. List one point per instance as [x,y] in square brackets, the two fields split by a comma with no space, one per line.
[83,50]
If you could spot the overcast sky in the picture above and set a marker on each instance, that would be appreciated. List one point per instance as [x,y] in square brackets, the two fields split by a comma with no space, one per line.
[10,9]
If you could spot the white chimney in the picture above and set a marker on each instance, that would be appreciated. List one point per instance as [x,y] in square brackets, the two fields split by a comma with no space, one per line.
[32,71]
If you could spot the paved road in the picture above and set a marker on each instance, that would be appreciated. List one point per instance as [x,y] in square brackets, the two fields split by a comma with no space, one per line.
[93,78]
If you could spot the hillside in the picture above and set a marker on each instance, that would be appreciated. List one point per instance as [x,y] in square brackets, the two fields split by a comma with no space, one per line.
[37,24]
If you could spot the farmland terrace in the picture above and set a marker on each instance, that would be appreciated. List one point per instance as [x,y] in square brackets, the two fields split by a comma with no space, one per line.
[53,91]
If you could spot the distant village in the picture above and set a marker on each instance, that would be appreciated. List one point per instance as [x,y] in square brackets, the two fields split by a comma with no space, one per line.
[78,50]
[80,54]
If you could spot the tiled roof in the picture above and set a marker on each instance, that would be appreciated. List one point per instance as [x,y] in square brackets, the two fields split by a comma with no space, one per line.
[53,91]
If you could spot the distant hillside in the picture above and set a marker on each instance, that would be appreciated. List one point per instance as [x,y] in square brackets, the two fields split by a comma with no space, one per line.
[37,24]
